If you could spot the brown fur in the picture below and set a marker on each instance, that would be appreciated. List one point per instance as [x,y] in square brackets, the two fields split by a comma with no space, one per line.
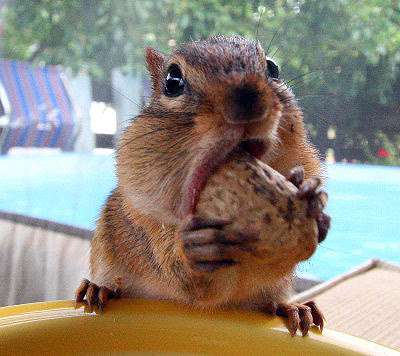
[136,236]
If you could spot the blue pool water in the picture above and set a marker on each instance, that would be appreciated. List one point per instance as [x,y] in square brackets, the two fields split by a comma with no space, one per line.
[364,202]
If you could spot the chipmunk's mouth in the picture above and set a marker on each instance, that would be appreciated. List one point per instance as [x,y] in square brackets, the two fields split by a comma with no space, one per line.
[209,163]
[255,147]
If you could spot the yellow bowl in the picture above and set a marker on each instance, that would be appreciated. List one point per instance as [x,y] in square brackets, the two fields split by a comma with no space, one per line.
[155,327]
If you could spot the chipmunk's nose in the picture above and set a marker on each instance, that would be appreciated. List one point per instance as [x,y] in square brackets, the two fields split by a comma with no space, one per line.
[245,104]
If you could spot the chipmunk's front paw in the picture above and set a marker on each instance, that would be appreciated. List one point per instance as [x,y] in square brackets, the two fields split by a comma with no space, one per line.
[208,246]
[316,198]
[300,316]
[95,295]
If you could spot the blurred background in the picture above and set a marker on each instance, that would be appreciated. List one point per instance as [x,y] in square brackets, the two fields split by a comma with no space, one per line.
[72,75]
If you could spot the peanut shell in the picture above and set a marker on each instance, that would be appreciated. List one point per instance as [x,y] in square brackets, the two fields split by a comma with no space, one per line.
[259,200]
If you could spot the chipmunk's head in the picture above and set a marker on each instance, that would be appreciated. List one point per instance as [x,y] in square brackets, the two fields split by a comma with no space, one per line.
[209,97]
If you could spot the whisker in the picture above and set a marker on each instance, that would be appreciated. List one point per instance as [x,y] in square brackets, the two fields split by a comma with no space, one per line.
[141,136]
[273,37]
[300,85]
[347,252]
[259,21]
[319,95]
[276,51]
[140,106]
[304,75]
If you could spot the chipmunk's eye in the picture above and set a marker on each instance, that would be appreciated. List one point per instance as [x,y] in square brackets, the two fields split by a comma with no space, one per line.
[273,69]
[174,84]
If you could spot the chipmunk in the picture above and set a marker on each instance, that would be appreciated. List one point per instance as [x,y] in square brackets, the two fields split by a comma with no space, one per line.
[209,97]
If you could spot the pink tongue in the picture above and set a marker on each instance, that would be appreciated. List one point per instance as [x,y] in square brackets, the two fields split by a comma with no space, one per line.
[196,184]
[205,166]
[194,188]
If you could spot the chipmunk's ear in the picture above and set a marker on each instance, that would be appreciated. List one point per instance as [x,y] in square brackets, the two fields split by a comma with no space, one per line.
[155,61]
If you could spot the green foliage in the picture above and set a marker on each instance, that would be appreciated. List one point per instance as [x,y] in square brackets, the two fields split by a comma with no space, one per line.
[82,35]
[341,57]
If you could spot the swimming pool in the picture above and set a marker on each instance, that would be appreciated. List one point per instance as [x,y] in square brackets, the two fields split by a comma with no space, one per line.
[364,202]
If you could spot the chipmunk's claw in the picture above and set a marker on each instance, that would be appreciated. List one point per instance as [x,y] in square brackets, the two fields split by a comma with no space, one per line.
[316,199]
[318,317]
[300,316]
[323,223]
[95,295]
[309,188]
[296,176]
[209,247]
[81,292]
